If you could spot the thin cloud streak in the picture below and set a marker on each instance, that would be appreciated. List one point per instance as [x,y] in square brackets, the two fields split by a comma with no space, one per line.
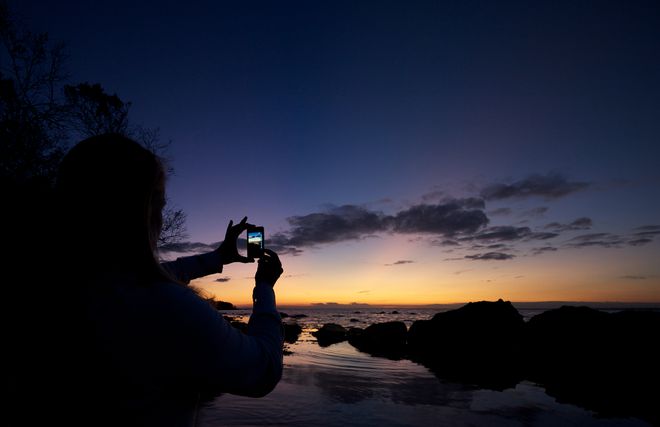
[490,256]
[550,186]
[401,262]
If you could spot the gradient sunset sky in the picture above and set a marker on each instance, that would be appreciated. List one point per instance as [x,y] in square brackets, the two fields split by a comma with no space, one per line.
[399,152]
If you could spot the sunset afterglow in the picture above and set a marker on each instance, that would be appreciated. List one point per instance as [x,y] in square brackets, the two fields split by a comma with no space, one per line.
[399,153]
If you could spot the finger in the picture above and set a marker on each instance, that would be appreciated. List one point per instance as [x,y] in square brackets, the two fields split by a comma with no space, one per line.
[244,259]
[272,254]
[231,222]
[241,227]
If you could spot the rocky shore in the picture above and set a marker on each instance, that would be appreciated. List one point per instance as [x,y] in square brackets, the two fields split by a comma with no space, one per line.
[605,362]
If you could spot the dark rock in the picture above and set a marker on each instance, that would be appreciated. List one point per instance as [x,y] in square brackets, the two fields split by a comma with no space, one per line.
[283,315]
[330,333]
[354,320]
[395,312]
[480,343]
[357,312]
[291,332]
[607,363]
[224,305]
[354,333]
[566,340]
[381,339]
[472,326]
[298,316]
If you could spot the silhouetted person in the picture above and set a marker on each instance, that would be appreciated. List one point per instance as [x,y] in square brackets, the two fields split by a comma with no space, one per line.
[122,340]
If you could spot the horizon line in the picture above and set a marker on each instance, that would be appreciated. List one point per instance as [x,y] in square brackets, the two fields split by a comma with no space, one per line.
[357,304]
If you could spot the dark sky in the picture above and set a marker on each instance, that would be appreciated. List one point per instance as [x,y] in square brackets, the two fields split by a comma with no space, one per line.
[286,109]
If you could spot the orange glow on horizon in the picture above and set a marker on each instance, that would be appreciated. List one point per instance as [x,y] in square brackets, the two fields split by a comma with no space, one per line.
[366,272]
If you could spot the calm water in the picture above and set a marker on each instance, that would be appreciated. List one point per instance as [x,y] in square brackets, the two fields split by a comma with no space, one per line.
[338,385]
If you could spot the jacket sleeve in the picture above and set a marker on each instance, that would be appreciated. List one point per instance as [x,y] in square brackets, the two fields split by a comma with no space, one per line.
[185,269]
[221,358]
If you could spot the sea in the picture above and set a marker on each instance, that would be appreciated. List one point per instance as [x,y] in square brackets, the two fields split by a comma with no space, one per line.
[341,386]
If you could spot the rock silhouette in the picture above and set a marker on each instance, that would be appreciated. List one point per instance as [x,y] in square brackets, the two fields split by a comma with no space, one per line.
[330,333]
[224,305]
[478,343]
[604,362]
[291,332]
[380,339]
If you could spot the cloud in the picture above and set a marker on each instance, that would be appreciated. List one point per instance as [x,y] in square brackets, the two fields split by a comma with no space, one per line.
[633,277]
[432,195]
[278,242]
[592,236]
[489,256]
[535,212]
[582,223]
[352,222]
[448,218]
[648,228]
[468,202]
[542,250]
[639,242]
[505,232]
[401,262]
[499,247]
[550,186]
[500,212]
[345,222]
[605,240]
[222,279]
[541,236]
[648,233]
[184,247]
[446,242]
[609,240]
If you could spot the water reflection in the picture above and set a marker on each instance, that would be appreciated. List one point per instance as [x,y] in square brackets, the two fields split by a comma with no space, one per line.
[338,385]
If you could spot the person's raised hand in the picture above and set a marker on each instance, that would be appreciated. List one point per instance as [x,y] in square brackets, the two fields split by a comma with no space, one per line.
[228,248]
[269,269]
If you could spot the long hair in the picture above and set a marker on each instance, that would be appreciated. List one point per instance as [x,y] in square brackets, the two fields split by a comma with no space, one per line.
[109,193]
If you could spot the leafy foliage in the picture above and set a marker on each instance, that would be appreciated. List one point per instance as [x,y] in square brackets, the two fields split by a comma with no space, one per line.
[40,114]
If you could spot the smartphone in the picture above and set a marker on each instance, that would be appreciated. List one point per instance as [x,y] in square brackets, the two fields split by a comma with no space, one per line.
[255,242]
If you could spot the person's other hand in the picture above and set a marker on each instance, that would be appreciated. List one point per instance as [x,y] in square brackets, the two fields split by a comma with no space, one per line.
[228,249]
[269,269]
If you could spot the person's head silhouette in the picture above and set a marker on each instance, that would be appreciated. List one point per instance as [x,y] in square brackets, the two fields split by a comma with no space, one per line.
[132,342]
[110,193]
